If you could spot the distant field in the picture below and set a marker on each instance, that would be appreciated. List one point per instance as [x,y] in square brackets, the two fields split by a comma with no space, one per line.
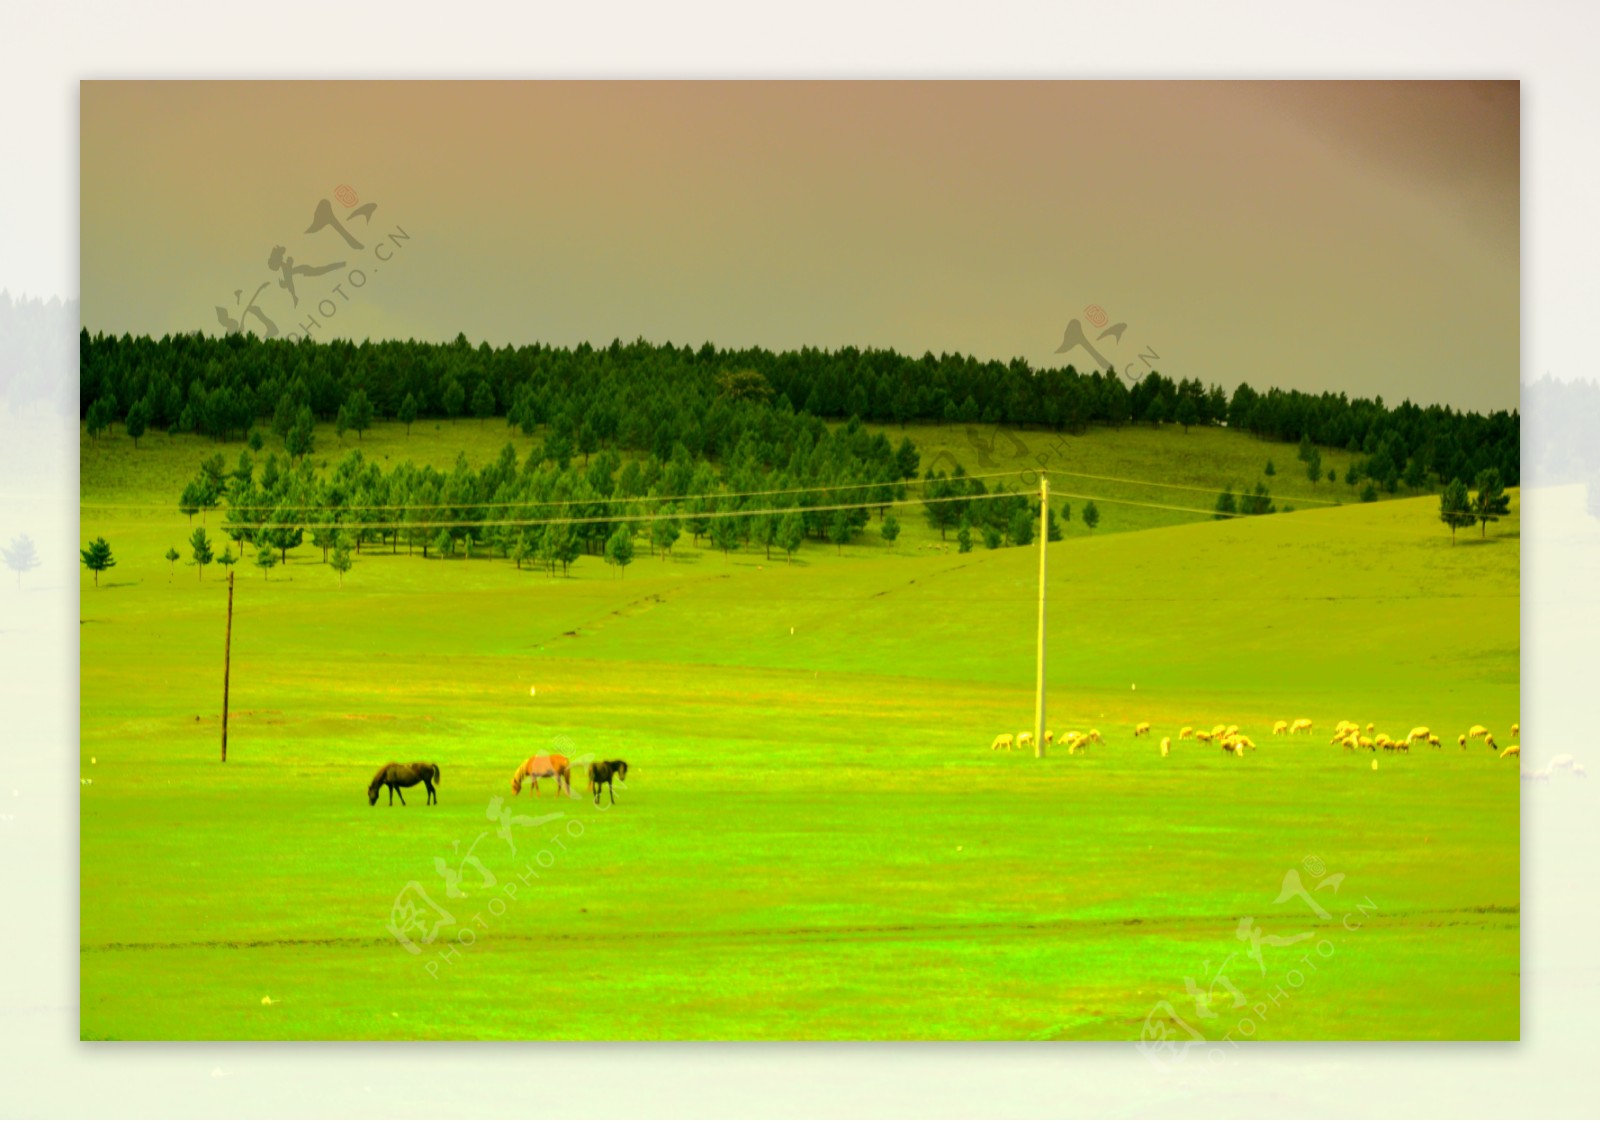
[815,841]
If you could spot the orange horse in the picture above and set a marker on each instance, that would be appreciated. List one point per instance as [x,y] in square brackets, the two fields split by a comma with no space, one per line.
[544,766]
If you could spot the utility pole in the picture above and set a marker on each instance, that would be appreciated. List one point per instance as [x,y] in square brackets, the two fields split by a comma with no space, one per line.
[1038,689]
[227,661]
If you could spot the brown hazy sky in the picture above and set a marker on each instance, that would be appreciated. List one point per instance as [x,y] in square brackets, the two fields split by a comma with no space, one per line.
[1359,237]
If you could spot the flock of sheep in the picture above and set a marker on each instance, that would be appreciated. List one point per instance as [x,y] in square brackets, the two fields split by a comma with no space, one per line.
[1347,733]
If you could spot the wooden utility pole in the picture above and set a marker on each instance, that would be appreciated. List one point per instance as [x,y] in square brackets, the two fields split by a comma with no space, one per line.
[227,661]
[1038,689]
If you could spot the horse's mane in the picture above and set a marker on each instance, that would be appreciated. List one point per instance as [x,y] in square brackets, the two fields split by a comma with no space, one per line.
[377,779]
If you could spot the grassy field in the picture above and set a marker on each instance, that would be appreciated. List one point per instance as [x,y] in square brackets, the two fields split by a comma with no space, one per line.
[814,841]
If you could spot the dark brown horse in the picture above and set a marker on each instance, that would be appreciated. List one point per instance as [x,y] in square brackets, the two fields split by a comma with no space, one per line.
[544,766]
[396,775]
[602,773]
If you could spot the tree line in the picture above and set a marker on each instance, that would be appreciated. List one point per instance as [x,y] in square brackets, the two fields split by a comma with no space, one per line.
[651,397]
[778,487]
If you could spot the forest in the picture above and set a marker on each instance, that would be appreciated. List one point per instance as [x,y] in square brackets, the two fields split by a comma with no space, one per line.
[650,398]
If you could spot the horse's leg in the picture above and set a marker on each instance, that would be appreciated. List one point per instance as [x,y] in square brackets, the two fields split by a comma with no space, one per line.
[402,794]
[612,790]
[432,797]
[391,793]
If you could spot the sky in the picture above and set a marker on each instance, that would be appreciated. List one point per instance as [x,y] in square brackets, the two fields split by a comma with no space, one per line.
[1359,237]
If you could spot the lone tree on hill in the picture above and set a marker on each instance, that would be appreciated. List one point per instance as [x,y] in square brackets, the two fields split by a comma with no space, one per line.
[1455,508]
[21,556]
[265,559]
[1492,500]
[890,529]
[1091,514]
[172,556]
[97,558]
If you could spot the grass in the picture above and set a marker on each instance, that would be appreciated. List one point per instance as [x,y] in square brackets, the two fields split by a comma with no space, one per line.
[814,841]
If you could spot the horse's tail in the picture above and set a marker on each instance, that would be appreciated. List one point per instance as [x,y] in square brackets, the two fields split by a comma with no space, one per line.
[516,781]
[436,772]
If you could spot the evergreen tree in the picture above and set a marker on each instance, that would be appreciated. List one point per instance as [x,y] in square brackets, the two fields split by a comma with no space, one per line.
[890,529]
[97,558]
[664,533]
[200,550]
[1491,502]
[791,531]
[1455,508]
[341,561]
[619,549]
[21,556]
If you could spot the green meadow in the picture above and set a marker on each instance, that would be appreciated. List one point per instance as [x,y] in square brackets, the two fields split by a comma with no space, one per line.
[814,840]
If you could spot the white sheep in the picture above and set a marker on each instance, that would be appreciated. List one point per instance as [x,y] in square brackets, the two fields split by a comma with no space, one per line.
[1281,728]
[1204,737]
[1462,740]
[1488,741]
[1141,730]
[1186,734]
[1301,725]
[1515,728]
[1513,749]
[1433,740]
[1024,739]
[1166,745]
[1476,731]
[1418,733]
[1001,741]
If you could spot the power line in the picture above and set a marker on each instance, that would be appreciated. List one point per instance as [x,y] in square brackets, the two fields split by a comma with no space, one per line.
[470,523]
[596,500]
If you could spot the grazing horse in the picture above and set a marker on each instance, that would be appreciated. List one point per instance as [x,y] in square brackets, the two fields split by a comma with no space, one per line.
[601,774]
[544,766]
[396,775]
